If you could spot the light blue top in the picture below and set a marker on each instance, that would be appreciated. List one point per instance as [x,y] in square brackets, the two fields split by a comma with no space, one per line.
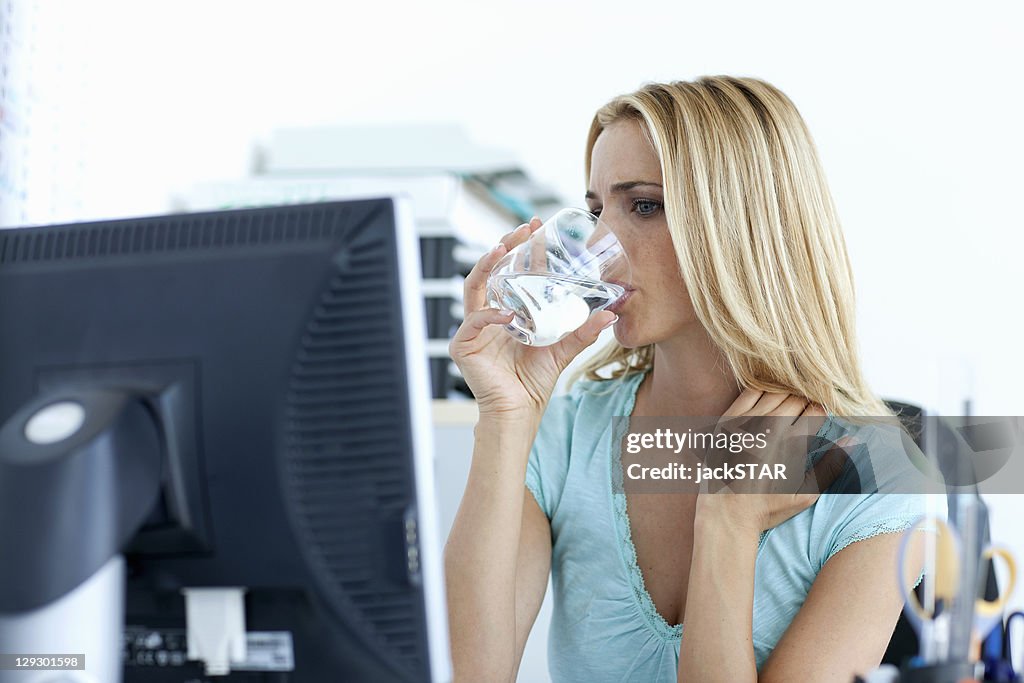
[604,626]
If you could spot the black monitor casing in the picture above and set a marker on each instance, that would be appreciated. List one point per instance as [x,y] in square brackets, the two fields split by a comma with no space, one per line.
[279,353]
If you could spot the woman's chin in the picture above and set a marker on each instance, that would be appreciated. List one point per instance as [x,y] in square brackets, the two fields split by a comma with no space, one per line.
[626,337]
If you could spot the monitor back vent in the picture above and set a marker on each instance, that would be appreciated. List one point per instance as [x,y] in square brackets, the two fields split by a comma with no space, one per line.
[148,235]
[349,452]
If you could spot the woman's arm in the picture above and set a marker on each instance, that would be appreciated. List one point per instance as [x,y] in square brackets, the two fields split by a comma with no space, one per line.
[848,618]
[497,557]
[842,629]
[717,642]
[532,571]
[499,550]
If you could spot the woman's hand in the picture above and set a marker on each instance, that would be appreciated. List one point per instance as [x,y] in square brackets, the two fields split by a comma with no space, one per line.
[788,424]
[507,378]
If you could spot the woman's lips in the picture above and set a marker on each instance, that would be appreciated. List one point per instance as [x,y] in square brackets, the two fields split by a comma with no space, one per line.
[621,301]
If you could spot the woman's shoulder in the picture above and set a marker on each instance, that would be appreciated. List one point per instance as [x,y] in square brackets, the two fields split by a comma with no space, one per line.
[587,408]
[573,423]
[878,492]
[586,400]
[615,392]
[883,455]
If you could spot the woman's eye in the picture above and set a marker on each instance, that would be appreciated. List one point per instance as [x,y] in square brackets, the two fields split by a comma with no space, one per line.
[646,207]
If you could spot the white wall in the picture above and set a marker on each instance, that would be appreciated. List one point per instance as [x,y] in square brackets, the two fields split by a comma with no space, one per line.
[915,107]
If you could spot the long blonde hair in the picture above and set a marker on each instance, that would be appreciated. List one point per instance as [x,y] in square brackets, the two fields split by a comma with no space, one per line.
[757,237]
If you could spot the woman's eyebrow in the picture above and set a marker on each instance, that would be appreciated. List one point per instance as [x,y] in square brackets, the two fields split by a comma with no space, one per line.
[623,187]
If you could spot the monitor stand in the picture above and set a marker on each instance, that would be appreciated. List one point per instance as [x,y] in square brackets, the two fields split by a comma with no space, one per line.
[80,470]
[86,623]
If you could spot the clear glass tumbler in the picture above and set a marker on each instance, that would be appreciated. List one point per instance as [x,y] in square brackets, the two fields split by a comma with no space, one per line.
[570,267]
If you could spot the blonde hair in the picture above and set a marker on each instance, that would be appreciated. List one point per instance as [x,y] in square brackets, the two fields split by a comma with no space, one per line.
[757,237]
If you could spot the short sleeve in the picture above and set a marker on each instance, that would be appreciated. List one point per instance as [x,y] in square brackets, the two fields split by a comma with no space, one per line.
[877,504]
[548,465]
[853,518]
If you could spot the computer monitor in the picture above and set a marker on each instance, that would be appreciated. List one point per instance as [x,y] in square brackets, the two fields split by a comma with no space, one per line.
[250,394]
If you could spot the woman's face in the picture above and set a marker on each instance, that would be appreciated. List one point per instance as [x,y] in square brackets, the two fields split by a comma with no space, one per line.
[626,191]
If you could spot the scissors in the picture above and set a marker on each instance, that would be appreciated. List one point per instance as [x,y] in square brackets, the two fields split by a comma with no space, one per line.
[944,595]
[999,653]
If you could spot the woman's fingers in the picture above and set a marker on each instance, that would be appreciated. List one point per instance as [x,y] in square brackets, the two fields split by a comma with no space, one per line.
[812,418]
[773,403]
[513,239]
[743,403]
[476,322]
[474,289]
[474,293]
[754,402]
[583,336]
[792,406]
[538,254]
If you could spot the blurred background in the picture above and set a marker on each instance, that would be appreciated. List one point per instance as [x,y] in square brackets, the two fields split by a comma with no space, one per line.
[479,112]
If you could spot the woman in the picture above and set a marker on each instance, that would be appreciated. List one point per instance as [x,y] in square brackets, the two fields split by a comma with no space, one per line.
[742,304]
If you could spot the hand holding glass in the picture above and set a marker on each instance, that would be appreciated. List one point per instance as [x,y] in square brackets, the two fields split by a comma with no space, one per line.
[572,266]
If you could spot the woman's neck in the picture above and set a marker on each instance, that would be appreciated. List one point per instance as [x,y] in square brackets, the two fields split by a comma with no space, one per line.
[689,377]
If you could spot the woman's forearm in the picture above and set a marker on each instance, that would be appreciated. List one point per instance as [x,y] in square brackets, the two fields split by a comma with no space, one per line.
[717,643]
[482,550]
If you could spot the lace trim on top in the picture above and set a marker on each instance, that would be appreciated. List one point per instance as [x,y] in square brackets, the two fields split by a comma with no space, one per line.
[622,525]
[889,525]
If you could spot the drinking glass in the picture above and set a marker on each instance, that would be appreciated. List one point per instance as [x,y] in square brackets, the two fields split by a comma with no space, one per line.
[570,267]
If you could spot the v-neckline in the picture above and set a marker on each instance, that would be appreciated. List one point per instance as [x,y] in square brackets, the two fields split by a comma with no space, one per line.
[623,528]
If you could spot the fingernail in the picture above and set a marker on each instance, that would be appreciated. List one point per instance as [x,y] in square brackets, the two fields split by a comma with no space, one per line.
[610,323]
[497,247]
[535,218]
[505,311]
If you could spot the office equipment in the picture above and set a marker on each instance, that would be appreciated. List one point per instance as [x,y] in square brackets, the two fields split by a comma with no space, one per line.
[970,517]
[951,450]
[996,667]
[464,198]
[454,221]
[999,653]
[887,673]
[936,617]
[1008,638]
[254,382]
